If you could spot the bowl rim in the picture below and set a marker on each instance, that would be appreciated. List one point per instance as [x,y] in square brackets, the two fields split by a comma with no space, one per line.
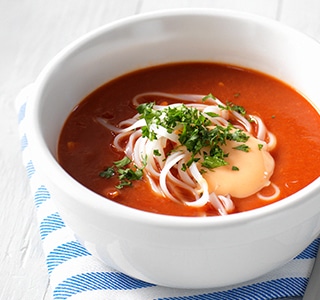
[128,213]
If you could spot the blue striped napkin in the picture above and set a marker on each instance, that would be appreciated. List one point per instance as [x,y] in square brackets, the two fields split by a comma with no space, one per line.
[75,274]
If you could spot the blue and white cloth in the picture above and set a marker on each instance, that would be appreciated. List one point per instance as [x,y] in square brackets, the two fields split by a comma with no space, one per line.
[75,274]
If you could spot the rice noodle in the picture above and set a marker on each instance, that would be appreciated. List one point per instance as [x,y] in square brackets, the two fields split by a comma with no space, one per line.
[164,172]
[217,204]
[262,130]
[181,97]
[171,161]
[227,202]
[272,197]
[272,142]
[244,122]
[204,191]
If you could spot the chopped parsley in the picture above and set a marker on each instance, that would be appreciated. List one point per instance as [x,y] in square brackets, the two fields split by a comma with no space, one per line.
[237,108]
[108,172]
[242,147]
[209,96]
[156,152]
[123,162]
[212,162]
[126,174]
[195,131]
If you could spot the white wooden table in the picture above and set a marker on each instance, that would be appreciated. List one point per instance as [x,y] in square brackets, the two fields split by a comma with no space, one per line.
[31,33]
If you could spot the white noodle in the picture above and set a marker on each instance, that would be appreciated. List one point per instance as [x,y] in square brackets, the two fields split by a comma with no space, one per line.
[161,131]
[203,187]
[183,97]
[121,136]
[131,142]
[274,196]
[227,203]
[216,203]
[244,122]
[185,175]
[272,141]
[139,151]
[151,160]
[175,182]
[135,125]
[262,130]
[170,162]
[165,173]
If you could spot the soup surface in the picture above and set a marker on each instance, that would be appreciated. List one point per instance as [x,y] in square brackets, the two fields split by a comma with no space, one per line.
[86,148]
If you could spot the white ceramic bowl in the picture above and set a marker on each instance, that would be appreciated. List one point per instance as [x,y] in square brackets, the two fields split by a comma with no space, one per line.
[176,251]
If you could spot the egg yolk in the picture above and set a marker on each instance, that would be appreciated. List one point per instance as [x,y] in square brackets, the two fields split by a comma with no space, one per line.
[246,172]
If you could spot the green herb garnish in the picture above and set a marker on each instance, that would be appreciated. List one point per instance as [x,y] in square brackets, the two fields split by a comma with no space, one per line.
[203,140]
[125,174]
[195,131]
[242,147]
[107,173]
[156,152]
[209,96]
[212,162]
[123,162]
[237,108]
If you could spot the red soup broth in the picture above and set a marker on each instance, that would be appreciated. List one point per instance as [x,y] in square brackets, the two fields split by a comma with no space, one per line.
[84,148]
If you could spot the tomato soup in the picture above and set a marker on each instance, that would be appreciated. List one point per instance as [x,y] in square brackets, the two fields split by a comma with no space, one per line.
[85,148]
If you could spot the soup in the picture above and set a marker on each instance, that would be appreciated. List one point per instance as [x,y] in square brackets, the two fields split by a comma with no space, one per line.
[268,152]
